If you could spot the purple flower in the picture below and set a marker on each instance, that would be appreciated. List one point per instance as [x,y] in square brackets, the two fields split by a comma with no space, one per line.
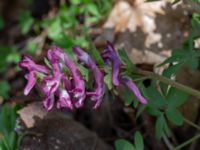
[31,78]
[97,94]
[69,90]
[28,64]
[64,99]
[50,85]
[110,54]
[67,83]
[78,84]
[133,88]
[32,69]
[49,102]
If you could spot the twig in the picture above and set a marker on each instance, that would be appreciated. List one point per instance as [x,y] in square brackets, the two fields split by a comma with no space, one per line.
[192,124]
[179,86]
[187,142]
[167,142]
[194,144]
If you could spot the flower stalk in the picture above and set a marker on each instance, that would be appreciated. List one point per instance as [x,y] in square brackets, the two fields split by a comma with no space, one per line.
[175,84]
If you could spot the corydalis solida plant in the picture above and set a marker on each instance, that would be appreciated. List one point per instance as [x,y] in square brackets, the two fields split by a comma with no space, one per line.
[69,90]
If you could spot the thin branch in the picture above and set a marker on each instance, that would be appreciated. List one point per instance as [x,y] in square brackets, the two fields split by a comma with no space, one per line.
[192,124]
[167,142]
[187,142]
[179,86]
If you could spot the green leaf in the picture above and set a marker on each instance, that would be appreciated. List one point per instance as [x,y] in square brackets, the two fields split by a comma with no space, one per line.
[25,21]
[155,99]
[32,47]
[135,102]
[4,144]
[138,141]
[128,97]
[140,110]
[91,20]
[173,58]
[122,144]
[168,73]
[174,116]
[13,140]
[13,57]
[9,141]
[125,59]
[153,111]
[75,2]
[185,55]
[160,121]
[96,55]
[92,8]
[193,63]
[5,87]
[196,24]
[171,70]
[167,130]
[8,116]
[108,79]
[84,71]
[104,6]
[176,98]
[47,63]
[63,40]
[55,29]
[81,41]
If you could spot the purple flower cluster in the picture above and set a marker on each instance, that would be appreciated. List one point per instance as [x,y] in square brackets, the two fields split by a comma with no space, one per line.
[109,54]
[69,91]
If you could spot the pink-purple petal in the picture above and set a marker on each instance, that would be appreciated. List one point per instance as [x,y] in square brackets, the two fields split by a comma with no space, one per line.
[98,92]
[133,88]
[110,54]
[31,78]
[48,102]
[64,99]
[78,82]
[27,63]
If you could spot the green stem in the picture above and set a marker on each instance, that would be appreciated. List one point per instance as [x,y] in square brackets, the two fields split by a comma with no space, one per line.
[192,124]
[187,142]
[163,79]
[140,79]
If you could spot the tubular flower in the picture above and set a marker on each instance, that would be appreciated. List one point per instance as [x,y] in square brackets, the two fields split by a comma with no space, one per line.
[31,78]
[53,85]
[97,94]
[49,102]
[32,69]
[110,54]
[69,90]
[28,64]
[50,83]
[64,99]
[133,88]
[78,85]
